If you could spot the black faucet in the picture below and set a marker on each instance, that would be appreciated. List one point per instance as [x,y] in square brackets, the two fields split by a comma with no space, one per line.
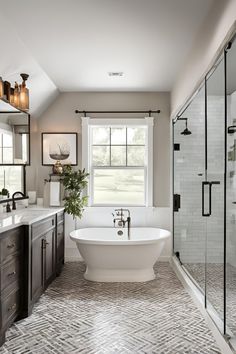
[13,199]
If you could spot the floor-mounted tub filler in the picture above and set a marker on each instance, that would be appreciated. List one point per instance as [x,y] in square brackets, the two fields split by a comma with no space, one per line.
[111,256]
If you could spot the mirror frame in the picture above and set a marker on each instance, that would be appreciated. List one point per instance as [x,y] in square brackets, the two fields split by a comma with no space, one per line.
[14,111]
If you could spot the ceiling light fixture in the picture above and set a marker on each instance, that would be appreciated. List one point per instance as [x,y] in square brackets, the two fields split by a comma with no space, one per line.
[116,73]
[17,96]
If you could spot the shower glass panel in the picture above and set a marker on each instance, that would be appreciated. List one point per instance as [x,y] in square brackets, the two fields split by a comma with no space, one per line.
[231,192]
[215,159]
[189,173]
[204,184]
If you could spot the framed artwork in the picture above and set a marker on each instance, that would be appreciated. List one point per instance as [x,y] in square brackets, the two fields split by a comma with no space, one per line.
[59,147]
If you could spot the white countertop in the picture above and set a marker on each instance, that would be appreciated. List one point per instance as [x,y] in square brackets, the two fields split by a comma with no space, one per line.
[25,216]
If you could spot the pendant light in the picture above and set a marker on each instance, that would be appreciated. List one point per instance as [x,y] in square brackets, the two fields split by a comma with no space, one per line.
[24,94]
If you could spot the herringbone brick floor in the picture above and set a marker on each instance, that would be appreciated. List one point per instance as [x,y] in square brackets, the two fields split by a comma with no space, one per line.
[78,316]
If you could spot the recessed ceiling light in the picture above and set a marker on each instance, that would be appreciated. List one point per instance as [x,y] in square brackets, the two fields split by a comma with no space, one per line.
[115,73]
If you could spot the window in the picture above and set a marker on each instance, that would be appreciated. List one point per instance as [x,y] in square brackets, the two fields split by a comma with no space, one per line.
[6,147]
[118,155]
[13,176]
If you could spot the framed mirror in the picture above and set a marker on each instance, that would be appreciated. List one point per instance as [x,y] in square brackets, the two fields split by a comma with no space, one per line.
[14,135]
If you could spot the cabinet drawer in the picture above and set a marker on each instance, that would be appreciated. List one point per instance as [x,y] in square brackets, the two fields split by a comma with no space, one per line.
[10,242]
[60,217]
[10,273]
[41,227]
[10,306]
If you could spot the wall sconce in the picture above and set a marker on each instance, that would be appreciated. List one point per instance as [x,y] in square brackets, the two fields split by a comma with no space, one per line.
[17,96]
[24,93]
[1,88]
[12,96]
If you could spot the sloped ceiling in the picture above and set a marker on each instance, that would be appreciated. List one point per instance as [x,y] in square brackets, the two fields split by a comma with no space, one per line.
[71,45]
[15,58]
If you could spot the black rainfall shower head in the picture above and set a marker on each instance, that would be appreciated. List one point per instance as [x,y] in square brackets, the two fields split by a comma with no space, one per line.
[186,131]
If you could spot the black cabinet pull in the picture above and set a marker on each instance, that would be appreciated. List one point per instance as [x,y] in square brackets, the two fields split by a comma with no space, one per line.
[11,274]
[45,243]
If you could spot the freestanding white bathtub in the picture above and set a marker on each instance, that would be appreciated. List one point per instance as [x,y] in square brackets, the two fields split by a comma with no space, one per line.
[111,257]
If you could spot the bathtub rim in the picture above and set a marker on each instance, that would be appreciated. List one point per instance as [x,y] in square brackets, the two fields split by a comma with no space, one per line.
[75,237]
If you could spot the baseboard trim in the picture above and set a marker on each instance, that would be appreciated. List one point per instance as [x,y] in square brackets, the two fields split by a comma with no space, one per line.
[164,259]
[73,259]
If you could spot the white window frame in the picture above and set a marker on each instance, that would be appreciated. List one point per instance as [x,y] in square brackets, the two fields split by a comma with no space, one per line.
[148,122]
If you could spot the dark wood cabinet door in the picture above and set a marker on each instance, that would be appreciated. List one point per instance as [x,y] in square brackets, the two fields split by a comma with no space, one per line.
[60,243]
[37,267]
[49,256]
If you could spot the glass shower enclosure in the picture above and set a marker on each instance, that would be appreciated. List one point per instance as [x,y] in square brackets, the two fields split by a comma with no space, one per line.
[204,190]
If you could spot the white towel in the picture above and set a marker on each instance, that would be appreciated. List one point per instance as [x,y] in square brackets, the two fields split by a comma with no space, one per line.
[54,193]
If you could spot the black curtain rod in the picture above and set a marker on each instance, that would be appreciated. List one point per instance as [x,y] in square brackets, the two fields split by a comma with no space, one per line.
[115,112]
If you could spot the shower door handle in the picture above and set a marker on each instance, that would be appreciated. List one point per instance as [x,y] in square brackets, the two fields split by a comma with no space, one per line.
[206,183]
[210,184]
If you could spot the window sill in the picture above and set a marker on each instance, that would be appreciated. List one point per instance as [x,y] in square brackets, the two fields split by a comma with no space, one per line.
[109,207]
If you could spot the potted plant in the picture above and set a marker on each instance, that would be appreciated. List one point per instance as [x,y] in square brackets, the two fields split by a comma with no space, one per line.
[5,193]
[74,183]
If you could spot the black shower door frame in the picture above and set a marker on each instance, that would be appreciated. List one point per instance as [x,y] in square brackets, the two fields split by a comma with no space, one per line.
[209,183]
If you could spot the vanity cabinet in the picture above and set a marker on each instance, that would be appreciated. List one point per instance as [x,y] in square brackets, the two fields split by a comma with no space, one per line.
[43,256]
[11,277]
[49,258]
[60,242]
[30,258]
[37,268]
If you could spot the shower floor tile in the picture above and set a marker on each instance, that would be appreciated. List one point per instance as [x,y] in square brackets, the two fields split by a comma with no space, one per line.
[214,288]
[78,316]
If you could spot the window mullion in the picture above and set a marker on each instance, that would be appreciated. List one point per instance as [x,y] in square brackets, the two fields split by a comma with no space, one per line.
[110,146]
[126,148]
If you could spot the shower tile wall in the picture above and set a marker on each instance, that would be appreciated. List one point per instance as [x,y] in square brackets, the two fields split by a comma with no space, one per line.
[231,186]
[190,226]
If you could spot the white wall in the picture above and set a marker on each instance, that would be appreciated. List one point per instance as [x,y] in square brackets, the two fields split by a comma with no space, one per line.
[212,34]
[60,117]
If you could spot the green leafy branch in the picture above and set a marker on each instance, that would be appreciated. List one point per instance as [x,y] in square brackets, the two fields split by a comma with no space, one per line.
[74,183]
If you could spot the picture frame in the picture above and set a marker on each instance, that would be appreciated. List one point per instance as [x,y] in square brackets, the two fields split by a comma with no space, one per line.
[59,146]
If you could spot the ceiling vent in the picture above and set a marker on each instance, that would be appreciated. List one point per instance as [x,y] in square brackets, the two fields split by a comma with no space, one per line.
[116,73]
